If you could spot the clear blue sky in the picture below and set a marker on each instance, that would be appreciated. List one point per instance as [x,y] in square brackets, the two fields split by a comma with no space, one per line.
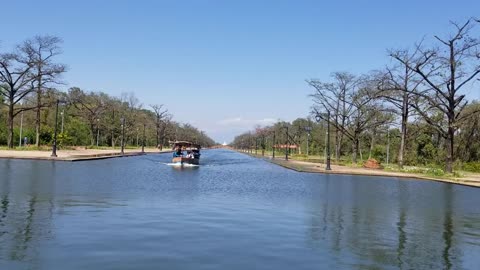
[234,63]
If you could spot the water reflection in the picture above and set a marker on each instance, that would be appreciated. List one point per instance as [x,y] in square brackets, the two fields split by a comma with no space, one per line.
[232,213]
[448,227]
[396,233]
[27,207]
[402,223]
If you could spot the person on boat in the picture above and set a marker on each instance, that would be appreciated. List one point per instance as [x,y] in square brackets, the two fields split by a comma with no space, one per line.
[196,153]
[189,154]
[178,152]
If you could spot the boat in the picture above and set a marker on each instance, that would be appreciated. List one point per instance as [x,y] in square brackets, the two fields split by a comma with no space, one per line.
[193,153]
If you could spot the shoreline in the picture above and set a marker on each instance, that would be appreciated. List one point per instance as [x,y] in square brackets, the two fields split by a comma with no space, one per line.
[310,167]
[77,155]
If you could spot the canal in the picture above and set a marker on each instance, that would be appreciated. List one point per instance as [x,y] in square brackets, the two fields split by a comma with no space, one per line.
[233,212]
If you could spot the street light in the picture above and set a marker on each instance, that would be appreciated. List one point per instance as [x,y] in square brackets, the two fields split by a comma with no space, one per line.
[54,147]
[122,151]
[308,129]
[287,145]
[62,114]
[318,118]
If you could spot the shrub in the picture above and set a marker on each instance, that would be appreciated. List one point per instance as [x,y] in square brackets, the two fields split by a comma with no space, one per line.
[434,172]
[64,139]
[471,167]
[299,155]
[379,153]
[457,174]
[46,135]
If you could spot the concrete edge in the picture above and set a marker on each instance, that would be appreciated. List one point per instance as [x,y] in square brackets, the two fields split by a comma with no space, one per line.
[281,163]
[76,158]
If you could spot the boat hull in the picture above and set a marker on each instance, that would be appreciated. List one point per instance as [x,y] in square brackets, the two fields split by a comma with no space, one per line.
[183,160]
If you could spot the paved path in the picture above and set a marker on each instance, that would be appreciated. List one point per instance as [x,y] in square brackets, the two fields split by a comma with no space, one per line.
[470,179]
[75,155]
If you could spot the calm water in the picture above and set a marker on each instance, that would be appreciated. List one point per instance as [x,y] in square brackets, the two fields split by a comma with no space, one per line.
[234,212]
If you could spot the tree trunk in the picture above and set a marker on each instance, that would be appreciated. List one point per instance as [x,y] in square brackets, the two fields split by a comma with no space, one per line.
[404,120]
[372,143]
[160,145]
[113,140]
[403,130]
[92,134]
[339,147]
[10,124]
[342,125]
[337,132]
[38,111]
[355,145]
[162,141]
[264,145]
[337,138]
[469,142]
[450,150]
[158,134]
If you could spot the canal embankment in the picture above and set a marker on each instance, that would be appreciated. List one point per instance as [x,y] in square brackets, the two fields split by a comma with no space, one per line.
[79,154]
[467,179]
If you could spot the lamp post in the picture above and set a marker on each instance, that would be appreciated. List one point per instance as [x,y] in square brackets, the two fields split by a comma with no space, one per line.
[308,129]
[62,114]
[54,147]
[318,118]
[273,146]
[122,151]
[143,140]
[287,145]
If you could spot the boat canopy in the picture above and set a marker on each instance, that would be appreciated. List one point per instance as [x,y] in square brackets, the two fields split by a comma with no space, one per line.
[185,144]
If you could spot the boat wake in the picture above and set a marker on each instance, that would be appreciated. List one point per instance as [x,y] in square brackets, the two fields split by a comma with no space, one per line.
[181,165]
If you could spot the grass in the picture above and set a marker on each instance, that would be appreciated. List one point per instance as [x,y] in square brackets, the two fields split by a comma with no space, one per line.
[28,148]
[470,167]
[431,170]
[49,148]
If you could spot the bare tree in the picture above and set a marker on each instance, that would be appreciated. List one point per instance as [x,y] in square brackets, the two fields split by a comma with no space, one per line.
[164,129]
[160,124]
[16,82]
[396,85]
[112,115]
[42,50]
[446,70]
[261,133]
[365,113]
[89,106]
[333,97]
[130,110]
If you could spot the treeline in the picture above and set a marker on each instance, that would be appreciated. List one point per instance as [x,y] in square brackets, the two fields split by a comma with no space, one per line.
[415,109]
[29,76]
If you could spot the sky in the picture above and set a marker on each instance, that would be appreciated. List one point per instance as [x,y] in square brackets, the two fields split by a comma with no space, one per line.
[225,66]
